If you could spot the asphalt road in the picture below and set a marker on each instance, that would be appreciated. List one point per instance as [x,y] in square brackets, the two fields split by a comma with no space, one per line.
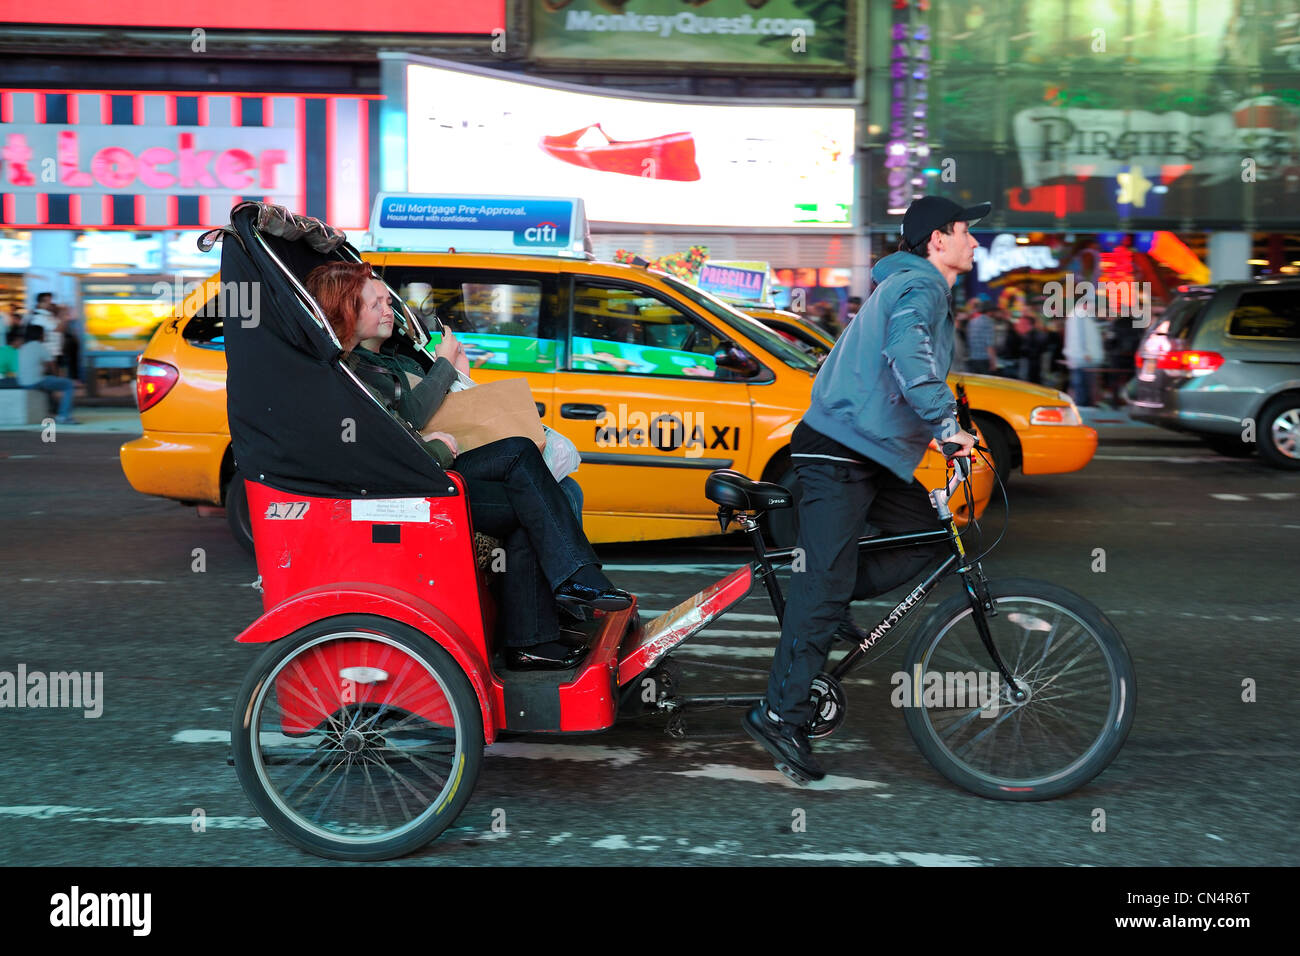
[1200,576]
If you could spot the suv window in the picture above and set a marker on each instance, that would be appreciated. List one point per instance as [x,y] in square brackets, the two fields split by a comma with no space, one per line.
[619,329]
[505,321]
[1270,314]
[1176,325]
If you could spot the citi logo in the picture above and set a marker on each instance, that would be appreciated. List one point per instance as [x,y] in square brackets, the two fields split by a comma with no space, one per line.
[543,233]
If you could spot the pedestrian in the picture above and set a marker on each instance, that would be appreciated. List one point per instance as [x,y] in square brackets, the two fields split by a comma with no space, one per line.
[880,399]
[981,342]
[45,313]
[36,370]
[71,343]
[1033,344]
[855,306]
[1083,353]
[9,357]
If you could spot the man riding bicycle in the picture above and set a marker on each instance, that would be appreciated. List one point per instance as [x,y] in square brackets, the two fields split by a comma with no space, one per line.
[880,399]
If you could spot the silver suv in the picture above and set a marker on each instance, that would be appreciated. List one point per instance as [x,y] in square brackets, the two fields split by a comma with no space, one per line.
[1223,362]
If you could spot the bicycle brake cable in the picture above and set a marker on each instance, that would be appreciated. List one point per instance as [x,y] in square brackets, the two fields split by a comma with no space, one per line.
[1006,504]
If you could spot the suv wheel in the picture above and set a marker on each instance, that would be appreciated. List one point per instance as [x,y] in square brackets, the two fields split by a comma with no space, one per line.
[1279,432]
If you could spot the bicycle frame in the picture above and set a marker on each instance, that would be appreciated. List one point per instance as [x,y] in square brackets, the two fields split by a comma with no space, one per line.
[682,622]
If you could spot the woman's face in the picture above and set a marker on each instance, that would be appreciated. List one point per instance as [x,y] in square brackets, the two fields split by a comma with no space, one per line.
[375,323]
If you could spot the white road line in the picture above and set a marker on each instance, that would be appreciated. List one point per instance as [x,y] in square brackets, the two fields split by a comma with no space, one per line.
[617,756]
[890,859]
[1225,497]
[1277,495]
[717,650]
[720,771]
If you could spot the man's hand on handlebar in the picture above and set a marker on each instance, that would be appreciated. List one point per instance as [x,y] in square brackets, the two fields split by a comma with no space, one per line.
[964,441]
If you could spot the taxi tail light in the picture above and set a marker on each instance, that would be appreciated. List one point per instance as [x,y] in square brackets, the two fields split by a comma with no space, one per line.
[153,380]
[1189,361]
[1055,415]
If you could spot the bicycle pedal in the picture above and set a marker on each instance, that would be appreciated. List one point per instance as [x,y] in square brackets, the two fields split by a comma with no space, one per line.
[794,774]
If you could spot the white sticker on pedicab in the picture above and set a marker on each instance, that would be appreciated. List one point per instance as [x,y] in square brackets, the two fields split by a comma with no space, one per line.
[286,510]
[391,509]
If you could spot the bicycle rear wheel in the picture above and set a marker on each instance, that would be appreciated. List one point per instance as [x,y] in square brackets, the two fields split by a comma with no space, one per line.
[1062,650]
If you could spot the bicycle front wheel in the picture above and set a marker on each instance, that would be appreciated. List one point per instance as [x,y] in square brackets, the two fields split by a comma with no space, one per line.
[1062,651]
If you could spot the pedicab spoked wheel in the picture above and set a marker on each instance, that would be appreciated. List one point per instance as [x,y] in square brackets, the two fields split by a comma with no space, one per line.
[1066,656]
[357,738]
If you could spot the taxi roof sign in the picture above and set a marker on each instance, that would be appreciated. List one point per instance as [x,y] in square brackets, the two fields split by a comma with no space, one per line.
[534,225]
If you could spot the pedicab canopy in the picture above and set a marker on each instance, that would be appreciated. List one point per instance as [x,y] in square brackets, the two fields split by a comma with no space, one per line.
[298,420]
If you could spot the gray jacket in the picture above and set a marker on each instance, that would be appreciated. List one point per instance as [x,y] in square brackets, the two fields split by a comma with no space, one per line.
[883,391]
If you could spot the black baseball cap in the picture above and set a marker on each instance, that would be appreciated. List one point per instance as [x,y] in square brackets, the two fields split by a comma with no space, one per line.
[929,213]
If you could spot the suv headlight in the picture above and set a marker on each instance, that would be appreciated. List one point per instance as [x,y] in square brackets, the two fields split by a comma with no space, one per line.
[1055,415]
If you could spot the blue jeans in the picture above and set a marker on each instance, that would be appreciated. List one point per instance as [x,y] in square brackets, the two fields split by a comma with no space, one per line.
[512,496]
[66,386]
[1081,386]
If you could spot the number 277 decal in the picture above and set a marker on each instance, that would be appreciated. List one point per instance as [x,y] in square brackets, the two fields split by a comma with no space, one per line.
[287,510]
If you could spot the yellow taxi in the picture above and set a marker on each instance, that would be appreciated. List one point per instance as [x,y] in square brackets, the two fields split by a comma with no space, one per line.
[656,382]
[1031,427]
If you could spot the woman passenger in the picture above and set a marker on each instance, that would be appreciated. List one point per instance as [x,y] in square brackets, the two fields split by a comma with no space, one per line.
[512,494]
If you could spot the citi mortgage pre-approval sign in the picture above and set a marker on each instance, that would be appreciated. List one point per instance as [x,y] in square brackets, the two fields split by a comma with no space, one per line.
[407,221]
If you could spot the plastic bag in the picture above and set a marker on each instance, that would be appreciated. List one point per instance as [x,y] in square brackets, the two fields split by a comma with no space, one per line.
[560,454]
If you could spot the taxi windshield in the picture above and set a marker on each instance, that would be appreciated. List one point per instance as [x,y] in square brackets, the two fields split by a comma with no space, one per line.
[750,328]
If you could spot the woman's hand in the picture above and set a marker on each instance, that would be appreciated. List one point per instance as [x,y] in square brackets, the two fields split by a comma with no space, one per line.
[445,439]
[449,348]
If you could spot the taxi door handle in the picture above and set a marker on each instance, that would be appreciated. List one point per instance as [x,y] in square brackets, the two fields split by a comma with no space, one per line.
[582,411]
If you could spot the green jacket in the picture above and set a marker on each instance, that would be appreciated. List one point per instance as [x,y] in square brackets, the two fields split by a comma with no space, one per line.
[384,373]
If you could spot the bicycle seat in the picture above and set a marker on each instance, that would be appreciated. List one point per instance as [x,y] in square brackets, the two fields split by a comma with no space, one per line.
[731,489]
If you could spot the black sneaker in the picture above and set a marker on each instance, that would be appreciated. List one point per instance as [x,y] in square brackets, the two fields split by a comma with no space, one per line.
[787,744]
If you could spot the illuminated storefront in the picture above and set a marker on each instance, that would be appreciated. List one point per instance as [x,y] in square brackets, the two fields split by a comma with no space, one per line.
[104,192]
[1176,116]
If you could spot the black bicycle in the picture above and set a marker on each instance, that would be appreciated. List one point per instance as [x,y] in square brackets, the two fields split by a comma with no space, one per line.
[1015,689]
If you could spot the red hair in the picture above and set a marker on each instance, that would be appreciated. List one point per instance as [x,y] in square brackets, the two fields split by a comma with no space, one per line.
[337,287]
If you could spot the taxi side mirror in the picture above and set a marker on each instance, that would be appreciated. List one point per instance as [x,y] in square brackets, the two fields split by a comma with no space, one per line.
[733,358]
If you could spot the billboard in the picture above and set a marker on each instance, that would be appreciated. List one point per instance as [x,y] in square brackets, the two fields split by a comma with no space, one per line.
[135,159]
[1156,113]
[384,16]
[633,160]
[751,33]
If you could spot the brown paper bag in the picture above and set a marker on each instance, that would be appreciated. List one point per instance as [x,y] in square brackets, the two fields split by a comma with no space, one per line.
[488,413]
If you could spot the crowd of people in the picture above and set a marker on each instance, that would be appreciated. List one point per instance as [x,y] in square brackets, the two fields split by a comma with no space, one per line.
[40,351]
[1089,357]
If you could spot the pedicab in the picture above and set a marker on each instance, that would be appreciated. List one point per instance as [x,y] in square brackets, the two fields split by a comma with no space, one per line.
[359,732]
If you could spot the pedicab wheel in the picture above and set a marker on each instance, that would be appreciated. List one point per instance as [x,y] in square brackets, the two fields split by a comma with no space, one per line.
[1064,654]
[357,738]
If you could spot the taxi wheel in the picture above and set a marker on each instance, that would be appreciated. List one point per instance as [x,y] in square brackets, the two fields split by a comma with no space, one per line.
[237,516]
